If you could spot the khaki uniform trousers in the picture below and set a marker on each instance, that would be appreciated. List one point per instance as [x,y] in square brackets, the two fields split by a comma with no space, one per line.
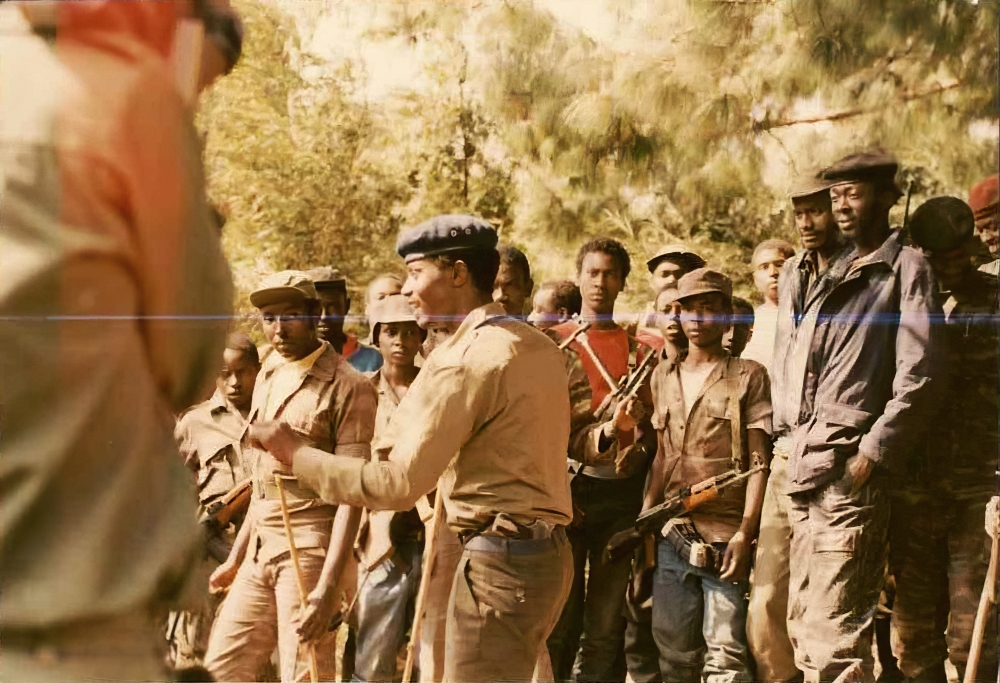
[504,604]
[116,649]
[838,557]
[767,619]
[261,611]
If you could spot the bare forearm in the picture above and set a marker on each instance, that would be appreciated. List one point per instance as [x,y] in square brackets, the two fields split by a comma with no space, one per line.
[345,530]
[657,482]
[754,502]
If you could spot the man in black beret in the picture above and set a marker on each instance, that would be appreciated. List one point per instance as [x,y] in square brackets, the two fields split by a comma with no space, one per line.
[936,549]
[490,410]
[866,395]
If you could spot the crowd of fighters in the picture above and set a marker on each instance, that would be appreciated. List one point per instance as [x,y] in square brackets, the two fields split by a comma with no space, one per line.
[456,488]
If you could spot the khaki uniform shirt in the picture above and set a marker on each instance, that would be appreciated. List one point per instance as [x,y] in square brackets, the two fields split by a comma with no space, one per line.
[496,394]
[698,446]
[374,539]
[208,437]
[332,406]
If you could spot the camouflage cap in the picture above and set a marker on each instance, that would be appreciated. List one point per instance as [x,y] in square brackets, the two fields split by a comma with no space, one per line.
[327,276]
[942,224]
[862,167]
[678,253]
[288,285]
[443,234]
[808,184]
[983,197]
[704,281]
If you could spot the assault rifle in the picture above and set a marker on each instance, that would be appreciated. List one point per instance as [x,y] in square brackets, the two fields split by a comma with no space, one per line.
[625,542]
[629,388]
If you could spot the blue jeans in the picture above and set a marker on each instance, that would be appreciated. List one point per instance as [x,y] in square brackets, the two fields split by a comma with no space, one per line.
[699,622]
[385,612]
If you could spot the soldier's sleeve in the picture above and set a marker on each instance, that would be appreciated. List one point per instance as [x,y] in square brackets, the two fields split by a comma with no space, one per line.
[918,362]
[756,406]
[444,407]
[186,446]
[354,418]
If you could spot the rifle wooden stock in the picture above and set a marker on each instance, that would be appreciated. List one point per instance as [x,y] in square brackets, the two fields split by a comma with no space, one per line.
[651,521]
[234,502]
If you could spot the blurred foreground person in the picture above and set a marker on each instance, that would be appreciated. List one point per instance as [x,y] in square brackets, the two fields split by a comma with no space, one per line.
[493,399]
[804,278]
[555,302]
[309,386]
[513,285]
[938,551]
[983,200]
[865,399]
[114,302]
[208,436]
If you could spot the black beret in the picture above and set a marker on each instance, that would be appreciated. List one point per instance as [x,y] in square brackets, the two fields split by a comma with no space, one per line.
[443,234]
[862,167]
[942,224]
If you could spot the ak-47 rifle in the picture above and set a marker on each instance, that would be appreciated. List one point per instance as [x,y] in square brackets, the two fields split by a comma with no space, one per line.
[580,329]
[230,505]
[629,388]
[625,542]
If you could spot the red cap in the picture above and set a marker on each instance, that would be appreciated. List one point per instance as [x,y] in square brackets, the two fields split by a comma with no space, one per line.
[983,196]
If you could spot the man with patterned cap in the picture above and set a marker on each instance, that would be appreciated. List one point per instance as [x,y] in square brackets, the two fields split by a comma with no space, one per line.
[492,401]
[331,287]
[865,398]
[665,268]
[983,200]
[712,414]
[803,280]
[937,548]
[313,391]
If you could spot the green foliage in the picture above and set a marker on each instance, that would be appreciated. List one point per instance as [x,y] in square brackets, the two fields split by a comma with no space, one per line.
[690,134]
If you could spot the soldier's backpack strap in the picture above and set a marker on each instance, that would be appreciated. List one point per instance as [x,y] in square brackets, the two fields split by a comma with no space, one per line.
[734,372]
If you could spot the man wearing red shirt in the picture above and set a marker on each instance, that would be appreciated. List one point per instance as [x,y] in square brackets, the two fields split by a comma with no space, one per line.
[610,468]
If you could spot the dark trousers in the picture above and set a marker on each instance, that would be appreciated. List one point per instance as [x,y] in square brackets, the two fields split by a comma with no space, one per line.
[588,640]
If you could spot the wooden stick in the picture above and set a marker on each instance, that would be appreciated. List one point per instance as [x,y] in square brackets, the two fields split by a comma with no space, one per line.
[987,599]
[293,551]
[430,550]
[581,328]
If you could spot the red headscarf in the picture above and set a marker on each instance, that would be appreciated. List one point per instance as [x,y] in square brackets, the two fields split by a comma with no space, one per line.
[983,196]
[150,22]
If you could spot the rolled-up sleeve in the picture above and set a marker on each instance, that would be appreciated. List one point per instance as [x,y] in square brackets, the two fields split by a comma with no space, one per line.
[355,420]
[442,410]
[918,362]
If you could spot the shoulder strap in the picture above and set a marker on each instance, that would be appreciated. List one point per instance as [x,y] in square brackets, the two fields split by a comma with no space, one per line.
[733,375]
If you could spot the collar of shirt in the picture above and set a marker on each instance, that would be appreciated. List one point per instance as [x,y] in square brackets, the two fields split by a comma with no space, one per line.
[476,318]
[220,404]
[886,253]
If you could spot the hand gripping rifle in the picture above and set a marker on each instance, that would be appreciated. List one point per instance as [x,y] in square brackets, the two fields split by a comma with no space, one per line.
[629,388]
[625,542]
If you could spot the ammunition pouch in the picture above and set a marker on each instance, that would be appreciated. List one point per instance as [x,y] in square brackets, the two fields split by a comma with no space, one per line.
[690,546]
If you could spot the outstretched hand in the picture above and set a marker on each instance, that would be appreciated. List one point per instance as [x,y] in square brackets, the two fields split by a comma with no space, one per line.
[278,439]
